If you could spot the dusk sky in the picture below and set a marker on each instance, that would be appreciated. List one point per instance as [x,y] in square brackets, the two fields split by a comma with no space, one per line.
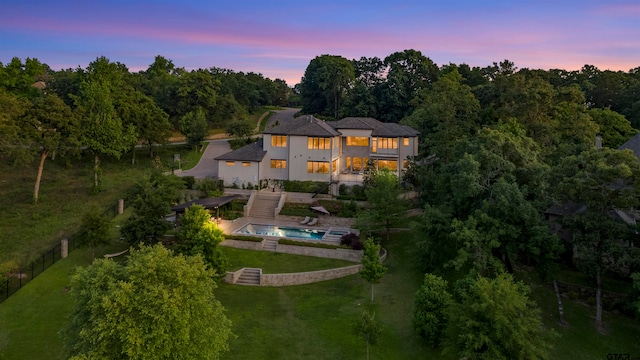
[278,38]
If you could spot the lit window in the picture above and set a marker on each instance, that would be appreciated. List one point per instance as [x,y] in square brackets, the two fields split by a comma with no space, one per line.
[334,166]
[405,141]
[387,143]
[317,167]
[388,164]
[231,163]
[318,143]
[278,164]
[278,141]
[357,141]
[246,163]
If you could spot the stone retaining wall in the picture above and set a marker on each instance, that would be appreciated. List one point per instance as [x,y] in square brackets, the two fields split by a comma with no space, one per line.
[307,277]
[240,244]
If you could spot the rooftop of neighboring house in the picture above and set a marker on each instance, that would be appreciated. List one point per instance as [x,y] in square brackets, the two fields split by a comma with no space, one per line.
[251,152]
[305,125]
[632,144]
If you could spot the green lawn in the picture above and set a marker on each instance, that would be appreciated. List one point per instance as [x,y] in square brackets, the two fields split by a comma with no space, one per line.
[277,263]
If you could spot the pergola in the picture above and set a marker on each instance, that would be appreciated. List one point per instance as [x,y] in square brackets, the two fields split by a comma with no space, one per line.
[208,203]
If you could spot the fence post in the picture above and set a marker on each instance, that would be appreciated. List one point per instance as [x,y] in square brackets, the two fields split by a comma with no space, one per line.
[120,206]
[64,248]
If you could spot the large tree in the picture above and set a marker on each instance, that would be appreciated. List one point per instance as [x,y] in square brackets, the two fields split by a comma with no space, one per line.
[607,182]
[50,127]
[153,306]
[431,306]
[494,319]
[385,207]
[198,235]
[324,84]
[194,127]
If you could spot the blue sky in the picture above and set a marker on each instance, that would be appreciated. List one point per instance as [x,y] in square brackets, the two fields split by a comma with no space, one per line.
[279,38]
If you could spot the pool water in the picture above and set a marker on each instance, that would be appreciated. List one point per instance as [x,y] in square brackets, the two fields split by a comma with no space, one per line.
[281,231]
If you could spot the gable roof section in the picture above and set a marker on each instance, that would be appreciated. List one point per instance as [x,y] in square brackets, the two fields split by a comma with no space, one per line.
[251,152]
[632,144]
[377,128]
[306,125]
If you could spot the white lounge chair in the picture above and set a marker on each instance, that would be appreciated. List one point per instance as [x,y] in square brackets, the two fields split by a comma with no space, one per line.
[306,220]
[312,222]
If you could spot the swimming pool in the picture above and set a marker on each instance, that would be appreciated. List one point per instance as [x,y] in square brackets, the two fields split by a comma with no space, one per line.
[281,231]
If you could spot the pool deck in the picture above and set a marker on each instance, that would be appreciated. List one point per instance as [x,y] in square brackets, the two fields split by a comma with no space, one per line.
[231,226]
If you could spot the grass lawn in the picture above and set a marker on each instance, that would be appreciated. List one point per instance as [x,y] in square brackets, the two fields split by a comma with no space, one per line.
[278,263]
[30,229]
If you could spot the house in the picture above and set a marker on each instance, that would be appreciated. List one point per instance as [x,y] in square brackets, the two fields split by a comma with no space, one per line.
[308,148]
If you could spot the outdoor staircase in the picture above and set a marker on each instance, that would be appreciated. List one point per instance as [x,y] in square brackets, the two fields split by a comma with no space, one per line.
[269,245]
[264,205]
[249,276]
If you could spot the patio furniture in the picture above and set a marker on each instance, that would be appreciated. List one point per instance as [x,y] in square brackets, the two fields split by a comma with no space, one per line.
[312,222]
[306,220]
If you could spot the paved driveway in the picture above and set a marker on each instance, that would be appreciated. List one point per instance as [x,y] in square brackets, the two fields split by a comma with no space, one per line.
[208,166]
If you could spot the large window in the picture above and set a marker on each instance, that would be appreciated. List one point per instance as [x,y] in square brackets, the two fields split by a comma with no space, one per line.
[387,143]
[318,167]
[319,143]
[388,164]
[278,141]
[357,141]
[355,163]
[278,164]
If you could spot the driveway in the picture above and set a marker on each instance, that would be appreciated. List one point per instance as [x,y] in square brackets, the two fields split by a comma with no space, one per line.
[208,167]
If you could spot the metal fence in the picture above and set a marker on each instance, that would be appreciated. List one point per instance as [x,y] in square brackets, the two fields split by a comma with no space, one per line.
[17,279]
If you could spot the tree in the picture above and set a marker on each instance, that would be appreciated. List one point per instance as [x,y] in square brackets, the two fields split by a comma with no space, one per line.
[94,230]
[495,319]
[367,328]
[50,126]
[324,84]
[386,207]
[242,129]
[614,127]
[430,314]
[152,196]
[372,269]
[155,305]
[12,109]
[194,126]
[198,235]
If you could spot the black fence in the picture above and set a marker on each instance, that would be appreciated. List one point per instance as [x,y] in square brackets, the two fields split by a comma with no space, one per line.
[15,280]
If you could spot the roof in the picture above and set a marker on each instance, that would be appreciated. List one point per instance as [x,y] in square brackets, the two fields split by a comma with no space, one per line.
[378,128]
[251,152]
[632,144]
[208,203]
[306,125]
[569,208]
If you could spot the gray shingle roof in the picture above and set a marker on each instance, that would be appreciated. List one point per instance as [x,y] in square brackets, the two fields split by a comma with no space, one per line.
[377,128]
[306,125]
[632,144]
[251,152]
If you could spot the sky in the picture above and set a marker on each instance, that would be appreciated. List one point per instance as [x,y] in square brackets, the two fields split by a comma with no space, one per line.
[278,38]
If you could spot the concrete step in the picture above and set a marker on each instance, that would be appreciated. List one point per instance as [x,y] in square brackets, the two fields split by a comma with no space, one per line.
[249,277]
[269,245]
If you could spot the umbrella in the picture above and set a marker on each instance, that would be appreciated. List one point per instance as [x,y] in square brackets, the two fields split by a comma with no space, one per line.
[320,209]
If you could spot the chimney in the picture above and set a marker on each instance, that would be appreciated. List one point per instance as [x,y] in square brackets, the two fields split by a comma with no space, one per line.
[598,142]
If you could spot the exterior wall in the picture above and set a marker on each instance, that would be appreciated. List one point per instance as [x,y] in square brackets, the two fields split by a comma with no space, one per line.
[300,154]
[239,174]
[405,151]
[354,151]
[275,153]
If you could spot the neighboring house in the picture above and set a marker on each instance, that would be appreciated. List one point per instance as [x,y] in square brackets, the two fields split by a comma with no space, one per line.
[308,148]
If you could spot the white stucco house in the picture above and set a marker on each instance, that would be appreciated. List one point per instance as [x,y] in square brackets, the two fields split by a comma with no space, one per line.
[312,149]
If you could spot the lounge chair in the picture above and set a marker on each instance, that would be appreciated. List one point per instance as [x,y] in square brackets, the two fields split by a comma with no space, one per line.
[312,222]
[306,220]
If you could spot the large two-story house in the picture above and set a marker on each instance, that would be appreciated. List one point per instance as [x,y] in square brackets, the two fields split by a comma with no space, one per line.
[308,148]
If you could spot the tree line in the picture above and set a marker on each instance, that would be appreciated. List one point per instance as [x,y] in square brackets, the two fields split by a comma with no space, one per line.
[107,110]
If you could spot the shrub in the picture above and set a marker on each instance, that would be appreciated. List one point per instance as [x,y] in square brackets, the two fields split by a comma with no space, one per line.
[243,238]
[210,187]
[309,244]
[348,239]
[188,181]
[318,187]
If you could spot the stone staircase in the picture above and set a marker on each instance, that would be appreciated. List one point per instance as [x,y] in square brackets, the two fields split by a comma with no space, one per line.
[249,276]
[264,205]
[269,245]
